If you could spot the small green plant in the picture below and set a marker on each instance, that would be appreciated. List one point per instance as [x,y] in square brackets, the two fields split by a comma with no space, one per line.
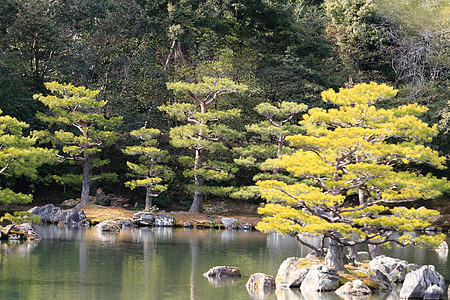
[20,217]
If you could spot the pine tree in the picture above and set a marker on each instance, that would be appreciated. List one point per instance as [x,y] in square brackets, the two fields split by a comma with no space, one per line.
[269,143]
[356,150]
[18,156]
[87,129]
[150,169]
[204,132]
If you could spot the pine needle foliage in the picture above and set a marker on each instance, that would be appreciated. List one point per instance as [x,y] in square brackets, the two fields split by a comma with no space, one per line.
[356,151]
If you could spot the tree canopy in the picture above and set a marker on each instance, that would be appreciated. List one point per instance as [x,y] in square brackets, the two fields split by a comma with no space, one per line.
[356,149]
[77,110]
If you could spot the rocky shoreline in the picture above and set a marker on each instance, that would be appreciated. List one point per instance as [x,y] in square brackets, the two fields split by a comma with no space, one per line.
[308,275]
[387,275]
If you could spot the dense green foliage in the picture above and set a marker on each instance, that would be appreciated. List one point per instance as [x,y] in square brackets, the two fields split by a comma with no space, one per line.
[285,52]
[150,171]
[84,128]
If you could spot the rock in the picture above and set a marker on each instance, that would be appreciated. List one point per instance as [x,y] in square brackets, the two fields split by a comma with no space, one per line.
[381,281]
[320,278]
[126,223]
[101,198]
[70,203]
[163,220]
[245,226]
[143,218]
[353,288]
[24,231]
[417,283]
[229,223]
[108,225]
[223,271]
[433,292]
[45,212]
[260,284]
[443,248]
[448,292]
[312,256]
[51,214]
[395,269]
[290,273]
[187,224]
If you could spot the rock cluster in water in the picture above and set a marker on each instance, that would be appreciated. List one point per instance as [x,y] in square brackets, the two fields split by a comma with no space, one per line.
[419,282]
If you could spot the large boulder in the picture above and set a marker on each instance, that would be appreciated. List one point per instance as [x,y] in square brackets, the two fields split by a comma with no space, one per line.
[162,220]
[223,271]
[144,218]
[418,283]
[379,281]
[126,224]
[290,273]
[260,284]
[353,288]
[24,231]
[395,269]
[51,214]
[108,225]
[229,223]
[320,278]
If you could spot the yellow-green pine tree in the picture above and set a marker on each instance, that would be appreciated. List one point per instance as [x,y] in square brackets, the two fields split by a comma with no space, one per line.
[362,150]
[18,156]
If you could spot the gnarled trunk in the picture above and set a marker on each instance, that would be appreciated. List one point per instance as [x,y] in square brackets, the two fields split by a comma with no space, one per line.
[335,255]
[86,182]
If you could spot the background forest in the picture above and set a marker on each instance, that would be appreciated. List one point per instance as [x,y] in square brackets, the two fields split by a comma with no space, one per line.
[278,56]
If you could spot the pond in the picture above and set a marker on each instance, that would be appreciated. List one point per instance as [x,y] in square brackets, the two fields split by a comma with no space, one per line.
[155,263]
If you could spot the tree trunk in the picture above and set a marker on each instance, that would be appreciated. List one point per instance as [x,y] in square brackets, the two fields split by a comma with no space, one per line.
[86,182]
[279,152]
[335,256]
[148,199]
[198,195]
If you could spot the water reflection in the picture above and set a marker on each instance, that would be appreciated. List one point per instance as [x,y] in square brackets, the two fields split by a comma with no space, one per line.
[159,263]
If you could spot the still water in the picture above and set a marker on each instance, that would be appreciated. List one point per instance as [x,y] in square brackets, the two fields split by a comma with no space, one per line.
[156,263]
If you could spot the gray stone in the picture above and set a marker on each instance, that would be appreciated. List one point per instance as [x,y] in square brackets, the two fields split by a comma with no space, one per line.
[320,278]
[223,271]
[381,280]
[245,226]
[417,282]
[126,223]
[24,231]
[101,198]
[353,288]
[290,273]
[143,218]
[448,292]
[260,284]
[108,225]
[163,220]
[433,292]
[395,269]
[69,203]
[51,214]
[229,223]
